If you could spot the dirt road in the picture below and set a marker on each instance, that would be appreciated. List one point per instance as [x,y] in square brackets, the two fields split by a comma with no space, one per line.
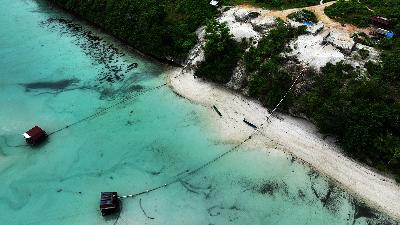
[321,16]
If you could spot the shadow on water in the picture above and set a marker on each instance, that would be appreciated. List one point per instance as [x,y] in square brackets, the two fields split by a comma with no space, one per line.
[58,87]
[50,85]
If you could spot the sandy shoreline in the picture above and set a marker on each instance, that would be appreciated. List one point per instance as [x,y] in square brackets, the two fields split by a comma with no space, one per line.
[294,136]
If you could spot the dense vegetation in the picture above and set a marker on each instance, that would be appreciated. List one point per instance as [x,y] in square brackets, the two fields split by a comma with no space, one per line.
[270,80]
[269,77]
[303,16]
[362,112]
[163,28]
[221,53]
[359,12]
[276,4]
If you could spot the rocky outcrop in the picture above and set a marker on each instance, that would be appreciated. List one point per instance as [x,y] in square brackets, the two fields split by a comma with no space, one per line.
[239,77]
[261,24]
[243,15]
[316,28]
[311,29]
[341,41]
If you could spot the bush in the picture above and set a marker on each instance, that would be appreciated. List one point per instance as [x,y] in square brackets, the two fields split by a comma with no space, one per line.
[363,38]
[359,12]
[270,79]
[270,84]
[364,53]
[272,45]
[221,53]
[351,11]
[279,4]
[303,16]
[362,114]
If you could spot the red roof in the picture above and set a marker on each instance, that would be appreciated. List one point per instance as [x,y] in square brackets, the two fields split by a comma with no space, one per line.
[381,21]
[36,132]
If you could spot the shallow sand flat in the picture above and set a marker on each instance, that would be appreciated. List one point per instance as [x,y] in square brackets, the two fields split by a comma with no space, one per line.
[289,134]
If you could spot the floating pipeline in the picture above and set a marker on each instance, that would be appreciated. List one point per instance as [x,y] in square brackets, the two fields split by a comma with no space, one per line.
[98,113]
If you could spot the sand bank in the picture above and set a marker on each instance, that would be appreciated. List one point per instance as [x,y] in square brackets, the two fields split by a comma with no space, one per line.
[292,135]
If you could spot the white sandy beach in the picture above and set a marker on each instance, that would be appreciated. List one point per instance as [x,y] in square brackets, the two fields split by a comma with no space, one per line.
[292,135]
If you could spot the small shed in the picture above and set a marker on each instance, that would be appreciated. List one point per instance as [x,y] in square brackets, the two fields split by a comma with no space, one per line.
[383,33]
[380,31]
[109,203]
[308,23]
[390,34]
[35,136]
[214,3]
[381,22]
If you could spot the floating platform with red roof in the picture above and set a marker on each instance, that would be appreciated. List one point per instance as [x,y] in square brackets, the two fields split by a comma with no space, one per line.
[35,136]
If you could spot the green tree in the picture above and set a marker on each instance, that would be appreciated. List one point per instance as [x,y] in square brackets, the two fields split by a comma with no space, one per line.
[221,53]
[303,15]
[270,80]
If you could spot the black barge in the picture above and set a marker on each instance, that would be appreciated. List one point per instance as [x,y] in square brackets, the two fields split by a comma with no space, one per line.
[109,203]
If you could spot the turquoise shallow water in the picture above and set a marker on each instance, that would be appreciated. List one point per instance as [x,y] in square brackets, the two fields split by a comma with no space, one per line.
[55,71]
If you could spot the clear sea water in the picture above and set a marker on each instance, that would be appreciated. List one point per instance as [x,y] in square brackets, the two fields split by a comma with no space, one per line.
[55,70]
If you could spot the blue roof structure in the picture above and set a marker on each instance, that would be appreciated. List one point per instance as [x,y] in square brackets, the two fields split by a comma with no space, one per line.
[389,34]
[308,24]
